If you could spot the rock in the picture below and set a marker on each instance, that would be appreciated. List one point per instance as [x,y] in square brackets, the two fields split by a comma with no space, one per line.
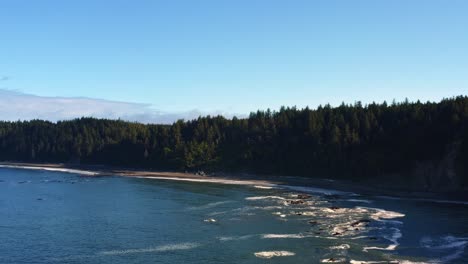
[296,202]
[303,196]
[334,207]
[336,234]
[313,222]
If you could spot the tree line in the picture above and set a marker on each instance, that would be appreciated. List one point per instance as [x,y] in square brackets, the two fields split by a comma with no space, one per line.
[351,140]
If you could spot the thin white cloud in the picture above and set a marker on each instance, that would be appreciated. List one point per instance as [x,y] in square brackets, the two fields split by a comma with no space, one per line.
[21,106]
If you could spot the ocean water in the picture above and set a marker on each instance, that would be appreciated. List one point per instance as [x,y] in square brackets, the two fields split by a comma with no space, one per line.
[58,217]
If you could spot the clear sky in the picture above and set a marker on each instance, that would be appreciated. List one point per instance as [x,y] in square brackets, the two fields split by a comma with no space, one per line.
[231,56]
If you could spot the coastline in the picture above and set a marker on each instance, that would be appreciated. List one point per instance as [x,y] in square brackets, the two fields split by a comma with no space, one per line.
[300,184]
[102,171]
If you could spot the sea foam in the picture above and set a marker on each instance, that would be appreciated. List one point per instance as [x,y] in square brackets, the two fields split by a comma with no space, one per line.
[272,254]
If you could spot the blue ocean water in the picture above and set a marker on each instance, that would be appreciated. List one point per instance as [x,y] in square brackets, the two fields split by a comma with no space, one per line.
[57,217]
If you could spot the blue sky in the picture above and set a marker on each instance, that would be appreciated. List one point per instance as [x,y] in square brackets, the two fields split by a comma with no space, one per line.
[177,58]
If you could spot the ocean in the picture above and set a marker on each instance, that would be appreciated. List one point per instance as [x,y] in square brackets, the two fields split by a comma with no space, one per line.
[61,217]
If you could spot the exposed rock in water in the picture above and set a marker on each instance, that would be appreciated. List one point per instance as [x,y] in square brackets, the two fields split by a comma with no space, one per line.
[303,196]
[296,202]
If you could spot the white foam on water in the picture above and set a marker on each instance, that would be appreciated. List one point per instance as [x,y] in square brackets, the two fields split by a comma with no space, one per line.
[394,238]
[235,238]
[383,214]
[448,243]
[266,187]
[279,214]
[348,211]
[210,220]
[374,262]
[164,248]
[359,201]
[74,171]
[272,254]
[358,237]
[271,197]
[333,260]
[283,236]
[208,180]
[209,205]
[413,262]
[342,246]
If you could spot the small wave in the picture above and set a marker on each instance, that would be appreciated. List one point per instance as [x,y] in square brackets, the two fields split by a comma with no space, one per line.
[253,198]
[384,214]
[456,244]
[263,187]
[394,238]
[375,262]
[209,205]
[333,260]
[234,238]
[169,247]
[388,262]
[359,201]
[283,236]
[342,246]
[272,254]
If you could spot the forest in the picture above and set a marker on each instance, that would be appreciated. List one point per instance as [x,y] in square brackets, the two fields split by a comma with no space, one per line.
[347,141]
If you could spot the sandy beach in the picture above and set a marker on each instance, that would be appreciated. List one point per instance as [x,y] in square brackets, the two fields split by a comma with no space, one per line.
[301,184]
[161,175]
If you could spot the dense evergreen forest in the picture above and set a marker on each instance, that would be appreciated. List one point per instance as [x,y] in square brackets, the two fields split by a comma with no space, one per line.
[346,141]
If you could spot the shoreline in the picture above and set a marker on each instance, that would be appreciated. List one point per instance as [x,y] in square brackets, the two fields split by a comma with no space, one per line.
[91,171]
[300,184]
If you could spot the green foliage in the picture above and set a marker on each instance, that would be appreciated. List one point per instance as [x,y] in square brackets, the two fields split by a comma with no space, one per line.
[348,141]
